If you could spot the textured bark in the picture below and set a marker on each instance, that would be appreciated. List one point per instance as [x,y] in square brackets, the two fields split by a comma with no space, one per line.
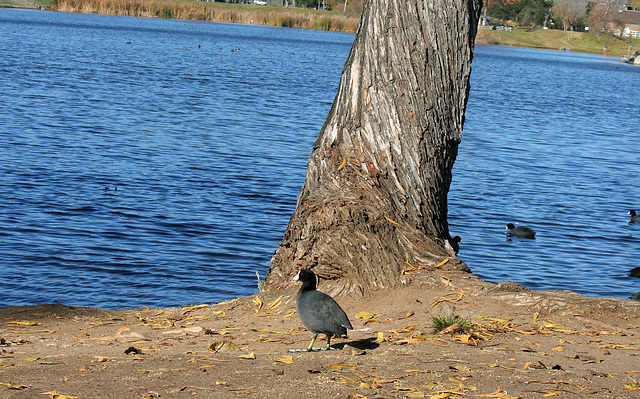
[375,196]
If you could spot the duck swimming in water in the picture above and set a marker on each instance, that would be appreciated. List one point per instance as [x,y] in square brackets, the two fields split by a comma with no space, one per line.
[520,231]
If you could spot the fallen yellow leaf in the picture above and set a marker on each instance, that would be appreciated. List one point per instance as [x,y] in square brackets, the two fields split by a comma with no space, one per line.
[344,162]
[275,303]
[285,360]
[123,329]
[365,315]
[409,314]
[392,221]
[193,307]
[24,323]
[550,324]
[342,366]
[250,356]
[104,339]
[56,395]
[13,386]
[442,263]
[379,337]
[258,302]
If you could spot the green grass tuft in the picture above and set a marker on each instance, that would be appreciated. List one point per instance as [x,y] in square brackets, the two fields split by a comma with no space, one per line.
[440,323]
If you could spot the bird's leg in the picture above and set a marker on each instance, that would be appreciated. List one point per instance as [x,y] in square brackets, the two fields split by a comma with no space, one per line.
[310,348]
[328,342]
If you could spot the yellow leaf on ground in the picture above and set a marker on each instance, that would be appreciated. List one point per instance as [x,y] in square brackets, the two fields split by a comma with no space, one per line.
[392,221]
[13,386]
[558,349]
[193,307]
[104,339]
[409,314]
[342,366]
[344,162]
[285,360]
[223,346]
[56,395]
[24,323]
[100,360]
[550,324]
[555,393]
[633,387]
[123,329]
[379,337]
[365,315]
[442,263]
[275,303]
[251,356]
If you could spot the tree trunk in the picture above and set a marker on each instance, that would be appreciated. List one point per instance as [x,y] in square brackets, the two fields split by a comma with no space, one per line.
[375,197]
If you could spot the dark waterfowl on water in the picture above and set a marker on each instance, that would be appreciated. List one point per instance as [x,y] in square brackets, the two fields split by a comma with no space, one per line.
[634,218]
[521,232]
[320,313]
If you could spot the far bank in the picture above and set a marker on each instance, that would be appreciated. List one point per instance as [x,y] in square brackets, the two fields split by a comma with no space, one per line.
[337,21]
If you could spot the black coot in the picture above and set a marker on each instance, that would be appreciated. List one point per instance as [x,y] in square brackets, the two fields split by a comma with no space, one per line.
[318,311]
[634,218]
[521,232]
[453,244]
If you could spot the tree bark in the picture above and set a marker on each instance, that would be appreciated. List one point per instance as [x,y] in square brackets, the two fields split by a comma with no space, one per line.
[375,197]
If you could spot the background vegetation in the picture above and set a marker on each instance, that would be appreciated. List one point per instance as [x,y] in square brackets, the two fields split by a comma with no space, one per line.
[566,20]
[300,18]
[552,39]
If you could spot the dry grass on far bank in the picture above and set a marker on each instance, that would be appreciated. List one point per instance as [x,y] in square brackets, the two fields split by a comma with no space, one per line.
[215,12]
[580,42]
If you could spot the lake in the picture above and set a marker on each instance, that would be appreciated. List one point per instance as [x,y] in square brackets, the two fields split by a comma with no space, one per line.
[149,162]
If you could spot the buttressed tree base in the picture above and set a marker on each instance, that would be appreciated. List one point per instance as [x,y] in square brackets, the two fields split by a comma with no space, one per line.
[375,197]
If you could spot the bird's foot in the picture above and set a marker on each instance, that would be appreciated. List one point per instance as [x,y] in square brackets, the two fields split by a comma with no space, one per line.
[330,348]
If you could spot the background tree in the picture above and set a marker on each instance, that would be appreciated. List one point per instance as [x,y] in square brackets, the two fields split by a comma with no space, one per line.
[569,14]
[375,197]
[350,6]
[524,12]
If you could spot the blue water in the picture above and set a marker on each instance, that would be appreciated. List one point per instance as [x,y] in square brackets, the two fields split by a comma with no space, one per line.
[138,169]
[550,142]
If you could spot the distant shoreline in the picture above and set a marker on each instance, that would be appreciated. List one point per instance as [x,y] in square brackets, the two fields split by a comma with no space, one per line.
[335,21]
[22,6]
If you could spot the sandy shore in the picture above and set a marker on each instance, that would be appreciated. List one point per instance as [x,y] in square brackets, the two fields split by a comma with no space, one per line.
[525,344]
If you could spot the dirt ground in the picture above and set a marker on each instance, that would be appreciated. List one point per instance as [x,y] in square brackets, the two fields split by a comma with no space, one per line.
[524,344]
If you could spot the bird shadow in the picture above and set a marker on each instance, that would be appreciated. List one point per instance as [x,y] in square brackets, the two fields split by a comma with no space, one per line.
[362,344]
